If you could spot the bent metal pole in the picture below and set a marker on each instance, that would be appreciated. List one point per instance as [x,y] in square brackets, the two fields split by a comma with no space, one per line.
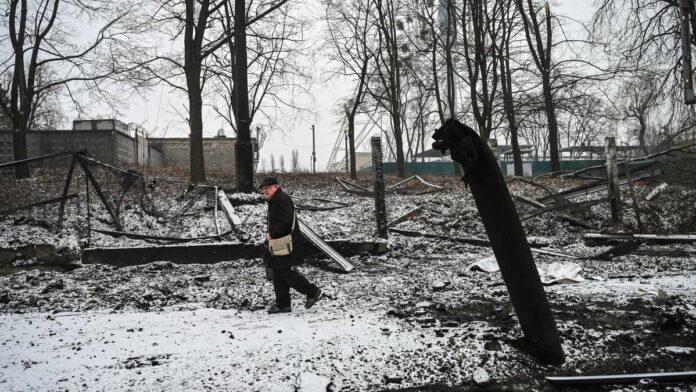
[506,236]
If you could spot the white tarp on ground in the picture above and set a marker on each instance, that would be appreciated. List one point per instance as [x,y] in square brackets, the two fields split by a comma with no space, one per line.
[553,273]
[489,264]
[560,273]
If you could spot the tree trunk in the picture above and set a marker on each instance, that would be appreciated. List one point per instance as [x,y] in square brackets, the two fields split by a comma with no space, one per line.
[192,67]
[552,124]
[196,127]
[436,83]
[641,134]
[506,83]
[351,146]
[396,109]
[19,147]
[244,154]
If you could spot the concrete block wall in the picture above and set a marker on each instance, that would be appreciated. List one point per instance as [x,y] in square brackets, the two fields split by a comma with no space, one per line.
[218,153]
[114,147]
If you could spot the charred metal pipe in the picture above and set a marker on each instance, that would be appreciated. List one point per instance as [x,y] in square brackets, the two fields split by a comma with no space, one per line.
[507,237]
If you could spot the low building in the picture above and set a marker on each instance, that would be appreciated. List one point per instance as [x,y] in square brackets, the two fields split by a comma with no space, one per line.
[114,142]
[105,140]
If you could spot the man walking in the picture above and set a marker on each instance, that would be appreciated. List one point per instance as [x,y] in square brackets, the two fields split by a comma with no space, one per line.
[282,222]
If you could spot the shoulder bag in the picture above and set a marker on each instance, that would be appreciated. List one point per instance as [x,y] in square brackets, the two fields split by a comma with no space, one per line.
[282,246]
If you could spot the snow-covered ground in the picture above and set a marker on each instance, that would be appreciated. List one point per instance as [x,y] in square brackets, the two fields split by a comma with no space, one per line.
[416,317]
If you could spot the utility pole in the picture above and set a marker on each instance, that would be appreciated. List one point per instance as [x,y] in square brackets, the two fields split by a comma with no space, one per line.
[314,153]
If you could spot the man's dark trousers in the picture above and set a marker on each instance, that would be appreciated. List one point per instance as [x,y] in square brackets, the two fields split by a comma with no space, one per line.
[283,279]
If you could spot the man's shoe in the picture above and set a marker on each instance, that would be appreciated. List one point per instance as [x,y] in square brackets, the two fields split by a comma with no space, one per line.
[275,309]
[311,300]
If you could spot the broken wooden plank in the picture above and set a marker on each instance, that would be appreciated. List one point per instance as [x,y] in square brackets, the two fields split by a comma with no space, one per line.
[38,204]
[228,210]
[435,188]
[566,218]
[159,238]
[468,241]
[622,249]
[601,237]
[410,214]
[309,207]
[623,378]
[320,244]
[202,253]
[361,191]
[536,184]
[559,207]
[645,158]
[653,193]
[599,186]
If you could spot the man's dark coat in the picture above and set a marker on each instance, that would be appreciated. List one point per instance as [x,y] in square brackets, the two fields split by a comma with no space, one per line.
[280,215]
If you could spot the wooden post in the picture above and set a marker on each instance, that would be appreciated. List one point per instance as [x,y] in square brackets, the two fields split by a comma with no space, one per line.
[613,182]
[378,175]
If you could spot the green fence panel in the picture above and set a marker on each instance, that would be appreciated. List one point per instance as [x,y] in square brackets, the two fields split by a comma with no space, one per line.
[422,168]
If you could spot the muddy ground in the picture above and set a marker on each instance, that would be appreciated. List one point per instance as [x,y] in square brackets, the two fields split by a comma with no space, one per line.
[431,322]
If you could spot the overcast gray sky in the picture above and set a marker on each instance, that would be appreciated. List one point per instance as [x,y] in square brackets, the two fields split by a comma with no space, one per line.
[156,114]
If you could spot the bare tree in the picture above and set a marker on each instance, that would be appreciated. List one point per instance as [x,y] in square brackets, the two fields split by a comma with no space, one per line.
[43,60]
[282,163]
[273,166]
[295,161]
[539,35]
[350,34]
[482,23]
[274,49]
[509,28]
[197,23]
[388,73]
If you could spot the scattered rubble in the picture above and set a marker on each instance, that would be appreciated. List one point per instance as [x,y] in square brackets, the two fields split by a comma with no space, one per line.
[431,319]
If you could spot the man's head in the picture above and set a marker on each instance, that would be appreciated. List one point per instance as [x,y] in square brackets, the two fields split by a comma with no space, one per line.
[268,187]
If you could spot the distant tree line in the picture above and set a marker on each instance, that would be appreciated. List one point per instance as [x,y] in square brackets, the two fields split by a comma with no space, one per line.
[515,69]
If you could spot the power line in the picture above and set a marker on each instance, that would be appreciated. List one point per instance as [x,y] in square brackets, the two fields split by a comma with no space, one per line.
[298,146]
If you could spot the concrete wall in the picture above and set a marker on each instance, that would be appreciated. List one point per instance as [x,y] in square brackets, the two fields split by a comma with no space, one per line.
[218,153]
[114,147]
[107,146]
